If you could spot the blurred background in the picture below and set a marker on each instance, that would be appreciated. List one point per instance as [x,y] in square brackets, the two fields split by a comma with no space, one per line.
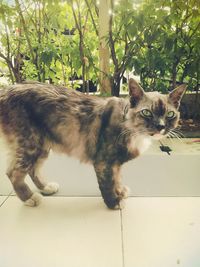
[97,45]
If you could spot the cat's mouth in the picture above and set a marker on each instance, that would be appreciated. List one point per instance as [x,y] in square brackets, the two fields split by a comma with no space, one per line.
[158,135]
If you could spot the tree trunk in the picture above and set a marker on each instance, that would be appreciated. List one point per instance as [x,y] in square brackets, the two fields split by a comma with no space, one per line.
[104,54]
[11,74]
[115,85]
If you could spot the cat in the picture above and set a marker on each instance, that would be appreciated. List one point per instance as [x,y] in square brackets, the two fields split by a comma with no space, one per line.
[105,132]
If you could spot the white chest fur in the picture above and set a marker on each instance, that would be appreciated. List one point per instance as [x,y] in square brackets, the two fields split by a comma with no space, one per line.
[140,143]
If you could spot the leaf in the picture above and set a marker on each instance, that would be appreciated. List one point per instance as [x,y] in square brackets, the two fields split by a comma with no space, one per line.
[169,43]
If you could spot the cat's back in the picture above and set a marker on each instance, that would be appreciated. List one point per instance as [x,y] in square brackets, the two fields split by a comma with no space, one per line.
[33,90]
[40,96]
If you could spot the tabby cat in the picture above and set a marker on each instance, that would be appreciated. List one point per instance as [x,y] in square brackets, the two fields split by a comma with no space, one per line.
[105,132]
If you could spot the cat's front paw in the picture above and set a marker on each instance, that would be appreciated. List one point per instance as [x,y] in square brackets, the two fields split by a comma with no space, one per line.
[115,199]
[34,200]
[115,203]
[120,205]
[122,191]
[50,188]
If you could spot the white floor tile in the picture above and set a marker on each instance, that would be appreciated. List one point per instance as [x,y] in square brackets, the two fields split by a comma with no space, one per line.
[2,200]
[61,232]
[5,186]
[162,232]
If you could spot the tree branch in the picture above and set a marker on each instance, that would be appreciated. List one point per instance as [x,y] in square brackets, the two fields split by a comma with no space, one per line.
[92,18]
[5,58]
[25,29]
[111,40]
[75,17]
[194,31]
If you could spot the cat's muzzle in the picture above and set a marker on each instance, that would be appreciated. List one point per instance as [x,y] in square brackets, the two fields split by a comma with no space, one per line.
[158,135]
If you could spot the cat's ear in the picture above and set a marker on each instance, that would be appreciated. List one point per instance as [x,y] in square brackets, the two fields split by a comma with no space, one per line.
[136,92]
[176,95]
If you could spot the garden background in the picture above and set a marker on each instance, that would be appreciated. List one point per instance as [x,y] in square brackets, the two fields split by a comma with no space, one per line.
[60,42]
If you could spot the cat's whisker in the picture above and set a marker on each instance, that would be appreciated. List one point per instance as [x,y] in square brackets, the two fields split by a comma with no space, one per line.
[179,132]
[173,134]
[122,134]
[129,132]
[138,133]
[178,129]
[125,132]
[170,136]
[176,135]
[180,138]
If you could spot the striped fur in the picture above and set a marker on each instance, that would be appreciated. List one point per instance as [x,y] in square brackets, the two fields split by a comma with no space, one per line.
[105,132]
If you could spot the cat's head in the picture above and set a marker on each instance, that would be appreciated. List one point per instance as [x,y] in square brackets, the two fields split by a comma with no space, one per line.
[152,113]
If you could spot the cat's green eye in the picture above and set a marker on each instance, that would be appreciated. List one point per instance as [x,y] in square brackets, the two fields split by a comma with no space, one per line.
[146,113]
[171,114]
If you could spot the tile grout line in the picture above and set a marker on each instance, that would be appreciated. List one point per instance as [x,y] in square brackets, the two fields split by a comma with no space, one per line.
[122,239]
[6,199]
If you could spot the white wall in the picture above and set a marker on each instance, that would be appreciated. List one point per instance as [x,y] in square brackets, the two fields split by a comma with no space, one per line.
[153,174]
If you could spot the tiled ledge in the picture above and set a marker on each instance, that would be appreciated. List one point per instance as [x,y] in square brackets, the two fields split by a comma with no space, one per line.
[158,174]
[153,174]
[178,146]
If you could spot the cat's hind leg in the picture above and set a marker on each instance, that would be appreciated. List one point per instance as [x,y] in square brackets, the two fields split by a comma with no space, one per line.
[26,161]
[16,173]
[44,187]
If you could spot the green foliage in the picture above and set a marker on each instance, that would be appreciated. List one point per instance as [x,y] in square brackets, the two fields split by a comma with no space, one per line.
[169,49]
[53,53]
[159,40]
